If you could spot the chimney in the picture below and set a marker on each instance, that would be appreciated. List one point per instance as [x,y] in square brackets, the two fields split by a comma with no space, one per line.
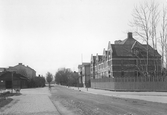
[130,35]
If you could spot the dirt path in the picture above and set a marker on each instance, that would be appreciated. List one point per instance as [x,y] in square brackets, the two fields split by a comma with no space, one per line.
[81,103]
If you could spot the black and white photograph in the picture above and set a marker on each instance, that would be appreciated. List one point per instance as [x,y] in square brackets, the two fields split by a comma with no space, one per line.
[83,57]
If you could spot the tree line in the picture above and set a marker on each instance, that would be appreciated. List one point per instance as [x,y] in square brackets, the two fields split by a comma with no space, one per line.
[38,81]
[64,76]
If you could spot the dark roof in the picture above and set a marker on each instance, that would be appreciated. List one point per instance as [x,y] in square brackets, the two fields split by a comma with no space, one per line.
[151,50]
[29,68]
[128,41]
[121,50]
[85,63]
[124,48]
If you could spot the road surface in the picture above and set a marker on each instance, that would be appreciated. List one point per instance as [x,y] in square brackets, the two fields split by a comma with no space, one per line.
[80,103]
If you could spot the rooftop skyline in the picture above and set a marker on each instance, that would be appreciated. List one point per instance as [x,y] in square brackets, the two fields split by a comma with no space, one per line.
[48,35]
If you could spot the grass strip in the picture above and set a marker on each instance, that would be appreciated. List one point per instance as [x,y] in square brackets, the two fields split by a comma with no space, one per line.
[4,102]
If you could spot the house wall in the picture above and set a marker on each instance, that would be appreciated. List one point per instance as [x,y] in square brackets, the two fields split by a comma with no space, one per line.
[80,74]
[133,67]
[7,81]
[30,72]
[2,84]
[87,73]
[92,71]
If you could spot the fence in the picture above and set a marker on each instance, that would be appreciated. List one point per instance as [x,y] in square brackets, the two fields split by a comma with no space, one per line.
[130,84]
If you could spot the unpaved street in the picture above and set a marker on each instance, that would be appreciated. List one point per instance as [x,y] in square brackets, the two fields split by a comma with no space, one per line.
[80,103]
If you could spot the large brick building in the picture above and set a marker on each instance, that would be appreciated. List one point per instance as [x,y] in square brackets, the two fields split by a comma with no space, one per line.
[125,66]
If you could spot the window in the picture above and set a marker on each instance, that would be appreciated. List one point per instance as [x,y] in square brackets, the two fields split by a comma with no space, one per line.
[122,73]
[136,52]
[136,73]
[109,75]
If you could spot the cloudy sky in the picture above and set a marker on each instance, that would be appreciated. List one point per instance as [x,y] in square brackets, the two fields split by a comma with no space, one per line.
[51,34]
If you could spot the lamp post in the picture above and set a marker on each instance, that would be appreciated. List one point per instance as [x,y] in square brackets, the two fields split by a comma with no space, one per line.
[12,82]
[78,83]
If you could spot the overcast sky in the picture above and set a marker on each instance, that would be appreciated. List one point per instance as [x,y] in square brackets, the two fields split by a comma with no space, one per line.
[51,34]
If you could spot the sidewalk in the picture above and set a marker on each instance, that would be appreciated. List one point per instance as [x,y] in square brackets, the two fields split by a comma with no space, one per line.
[31,102]
[160,97]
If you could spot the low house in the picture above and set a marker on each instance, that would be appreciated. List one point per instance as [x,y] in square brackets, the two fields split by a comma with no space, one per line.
[12,80]
[24,70]
[19,70]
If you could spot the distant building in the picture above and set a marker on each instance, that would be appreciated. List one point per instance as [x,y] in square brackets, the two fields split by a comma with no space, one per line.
[26,72]
[84,73]
[23,70]
[125,66]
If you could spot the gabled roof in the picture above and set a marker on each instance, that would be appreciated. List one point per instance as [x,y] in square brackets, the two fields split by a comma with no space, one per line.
[128,41]
[104,52]
[13,68]
[124,48]
[29,67]
[151,50]
[121,50]
[93,58]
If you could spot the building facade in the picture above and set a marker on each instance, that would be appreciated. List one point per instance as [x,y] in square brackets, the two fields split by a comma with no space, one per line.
[84,74]
[127,65]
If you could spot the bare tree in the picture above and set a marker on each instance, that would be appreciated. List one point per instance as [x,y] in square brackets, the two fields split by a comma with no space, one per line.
[154,23]
[145,20]
[163,37]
